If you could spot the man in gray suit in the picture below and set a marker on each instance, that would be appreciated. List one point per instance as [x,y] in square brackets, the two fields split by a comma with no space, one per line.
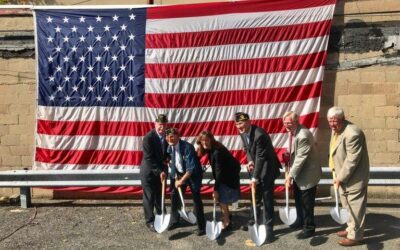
[264,165]
[305,173]
[348,157]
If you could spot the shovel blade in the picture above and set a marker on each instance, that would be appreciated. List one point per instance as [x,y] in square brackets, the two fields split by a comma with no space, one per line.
[213,229]
[188,216]
[161,222]
[288,215]
[341,215]
[258,234]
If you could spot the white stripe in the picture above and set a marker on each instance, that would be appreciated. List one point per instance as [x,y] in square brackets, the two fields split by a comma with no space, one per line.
[129,143]
[237,51]
[87,142]
[56,166]
[240,20]
[234,82]
[205,114]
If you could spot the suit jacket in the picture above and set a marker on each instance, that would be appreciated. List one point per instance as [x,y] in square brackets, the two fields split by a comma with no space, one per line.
[190,163]
[304,160]
[350,157]
[154,153]
[225,168]
[261,151]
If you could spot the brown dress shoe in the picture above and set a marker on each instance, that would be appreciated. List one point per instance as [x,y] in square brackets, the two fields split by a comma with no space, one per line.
[348,242]
[342,233]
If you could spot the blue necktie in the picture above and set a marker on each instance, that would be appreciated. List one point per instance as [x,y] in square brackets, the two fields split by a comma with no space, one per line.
[173,162]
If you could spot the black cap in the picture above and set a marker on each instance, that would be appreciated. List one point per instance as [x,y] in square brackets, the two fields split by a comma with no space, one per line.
[161,118]
[240,117]
[171,131]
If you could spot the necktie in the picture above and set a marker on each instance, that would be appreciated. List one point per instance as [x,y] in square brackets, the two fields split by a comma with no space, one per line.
[331,147]
[173,162]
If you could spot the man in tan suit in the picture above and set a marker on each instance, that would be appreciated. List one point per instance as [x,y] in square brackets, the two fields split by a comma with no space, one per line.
[305,173]
[348,157]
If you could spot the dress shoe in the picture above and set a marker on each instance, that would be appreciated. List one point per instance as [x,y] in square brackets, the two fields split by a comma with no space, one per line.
[349,242]
[304,235]
[227,228]
[200,232]
[342,233]
[150,226]
[173,226]
[249,224]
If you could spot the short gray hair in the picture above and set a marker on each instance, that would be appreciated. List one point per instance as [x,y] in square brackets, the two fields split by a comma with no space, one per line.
[335,112]
[292,114]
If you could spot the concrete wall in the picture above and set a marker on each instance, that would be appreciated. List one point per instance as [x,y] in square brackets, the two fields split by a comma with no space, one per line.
[368,91]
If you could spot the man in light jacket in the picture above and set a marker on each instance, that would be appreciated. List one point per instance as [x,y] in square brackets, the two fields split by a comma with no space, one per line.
[305,173]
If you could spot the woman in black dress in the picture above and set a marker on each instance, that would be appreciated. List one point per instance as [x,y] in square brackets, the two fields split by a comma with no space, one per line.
[225,169]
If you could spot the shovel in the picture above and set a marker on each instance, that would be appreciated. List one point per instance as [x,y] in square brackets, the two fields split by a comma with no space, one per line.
[161,221]
[258,233]
[287,214]
[213,228]
[340,215]
[187,216]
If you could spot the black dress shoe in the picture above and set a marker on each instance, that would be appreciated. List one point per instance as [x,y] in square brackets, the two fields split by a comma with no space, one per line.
[270,236]
[200,232]
[296,225]
[227,228]
[173,226]
[304,235]
[150,226]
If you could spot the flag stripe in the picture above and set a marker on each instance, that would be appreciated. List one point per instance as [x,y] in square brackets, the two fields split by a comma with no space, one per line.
[238,36]
[123,114]
[237,51]
[235,67]
[96,128]
[227,98]
[236,82]
[239,21]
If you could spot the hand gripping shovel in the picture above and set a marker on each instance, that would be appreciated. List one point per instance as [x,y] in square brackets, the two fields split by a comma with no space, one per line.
[213,228]
[258,233]
[287,214]
[340,215]
[161,221]
[187,216]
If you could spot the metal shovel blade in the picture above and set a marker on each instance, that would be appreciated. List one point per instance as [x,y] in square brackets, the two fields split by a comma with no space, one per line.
[288,215]
[213,229]
[187,216]
[258,234]
[161,222]
[340,215]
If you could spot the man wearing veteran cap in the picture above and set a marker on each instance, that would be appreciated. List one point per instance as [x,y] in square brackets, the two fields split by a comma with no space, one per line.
[264,166]
[153,169]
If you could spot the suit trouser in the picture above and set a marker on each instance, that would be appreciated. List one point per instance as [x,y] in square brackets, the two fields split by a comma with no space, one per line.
[265,196]
[198,208]
[305,203]
[151,185]
[356,202]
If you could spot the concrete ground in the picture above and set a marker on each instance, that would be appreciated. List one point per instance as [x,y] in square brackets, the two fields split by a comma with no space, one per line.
[83,224]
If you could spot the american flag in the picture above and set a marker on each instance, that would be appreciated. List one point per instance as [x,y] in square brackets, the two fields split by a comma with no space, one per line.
[104,75]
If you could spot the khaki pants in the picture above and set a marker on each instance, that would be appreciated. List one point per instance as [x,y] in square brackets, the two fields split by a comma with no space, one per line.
[356,202]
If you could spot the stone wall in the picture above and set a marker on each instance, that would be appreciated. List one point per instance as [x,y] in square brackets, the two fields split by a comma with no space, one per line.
[362,76]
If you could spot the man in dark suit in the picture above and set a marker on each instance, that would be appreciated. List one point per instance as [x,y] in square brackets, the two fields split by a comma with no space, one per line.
[264,166]
[153,169]
[186,171]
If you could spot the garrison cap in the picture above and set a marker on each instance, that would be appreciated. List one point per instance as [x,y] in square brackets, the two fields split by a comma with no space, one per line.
[241,116]
[161,118]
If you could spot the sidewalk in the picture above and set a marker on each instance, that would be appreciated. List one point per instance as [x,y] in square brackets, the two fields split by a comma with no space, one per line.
[103,224]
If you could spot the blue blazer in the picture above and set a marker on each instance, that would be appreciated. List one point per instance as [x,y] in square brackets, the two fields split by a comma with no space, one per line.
[190,163]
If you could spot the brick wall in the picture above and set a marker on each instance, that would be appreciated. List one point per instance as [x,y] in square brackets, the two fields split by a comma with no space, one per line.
[370,96]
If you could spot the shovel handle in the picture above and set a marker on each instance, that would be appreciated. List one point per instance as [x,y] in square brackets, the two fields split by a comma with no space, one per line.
[334,178]
[181,195]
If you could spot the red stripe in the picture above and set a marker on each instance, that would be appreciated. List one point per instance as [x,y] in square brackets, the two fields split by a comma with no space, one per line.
[235,67]
[233,98]
[208,9]
[106,157]
[112,157]
[238,36]
[93,128]
[218,128]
